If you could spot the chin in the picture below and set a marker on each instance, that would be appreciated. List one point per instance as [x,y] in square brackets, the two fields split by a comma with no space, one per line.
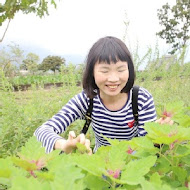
[113,93]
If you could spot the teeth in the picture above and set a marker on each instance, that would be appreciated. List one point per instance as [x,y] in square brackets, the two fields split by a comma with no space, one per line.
[112,87]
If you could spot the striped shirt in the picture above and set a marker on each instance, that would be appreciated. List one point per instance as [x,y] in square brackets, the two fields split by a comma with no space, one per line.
[112,124]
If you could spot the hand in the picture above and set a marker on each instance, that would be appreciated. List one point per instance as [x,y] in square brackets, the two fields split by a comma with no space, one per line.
[166,120]
[87,144]
[68,145]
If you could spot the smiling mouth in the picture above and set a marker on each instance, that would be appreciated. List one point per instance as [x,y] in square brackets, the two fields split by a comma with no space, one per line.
[112,87]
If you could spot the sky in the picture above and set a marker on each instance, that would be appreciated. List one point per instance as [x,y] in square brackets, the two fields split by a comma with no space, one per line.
[76,25]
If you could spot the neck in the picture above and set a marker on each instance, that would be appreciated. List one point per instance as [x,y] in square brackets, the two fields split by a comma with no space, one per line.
[114,103]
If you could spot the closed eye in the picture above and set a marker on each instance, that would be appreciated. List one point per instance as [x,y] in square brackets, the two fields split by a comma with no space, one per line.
[104,71]
[121,70]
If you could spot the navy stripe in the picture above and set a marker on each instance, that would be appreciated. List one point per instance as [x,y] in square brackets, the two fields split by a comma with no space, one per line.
[78,106]
[63,118]
[74,111]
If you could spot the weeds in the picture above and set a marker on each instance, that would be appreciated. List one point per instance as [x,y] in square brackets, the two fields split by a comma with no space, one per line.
[22,112]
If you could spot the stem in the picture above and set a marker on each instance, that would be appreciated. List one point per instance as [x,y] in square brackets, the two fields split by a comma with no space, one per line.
[113,185]
[161,147]
[174,151]
[166,159]
[5,31]
[106,181]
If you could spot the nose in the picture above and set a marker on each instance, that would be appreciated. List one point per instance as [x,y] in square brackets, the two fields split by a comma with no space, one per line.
[113,77]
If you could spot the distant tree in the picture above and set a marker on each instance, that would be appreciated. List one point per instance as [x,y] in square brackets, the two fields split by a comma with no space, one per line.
[80,68]
[126,23]
[176,23]
[10,59]
[52,63]
[30,63]
[11,7]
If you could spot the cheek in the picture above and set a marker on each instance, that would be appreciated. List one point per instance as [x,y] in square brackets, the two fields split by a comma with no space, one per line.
[98,78]
[125,76]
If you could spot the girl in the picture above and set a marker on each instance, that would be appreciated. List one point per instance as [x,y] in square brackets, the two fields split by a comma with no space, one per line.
[108,79]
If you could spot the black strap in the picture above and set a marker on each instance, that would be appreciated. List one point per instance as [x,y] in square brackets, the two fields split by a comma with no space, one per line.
[134,102]
[88,118]
[134,107]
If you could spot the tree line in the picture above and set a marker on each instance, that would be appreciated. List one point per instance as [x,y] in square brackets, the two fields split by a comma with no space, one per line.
[13,60]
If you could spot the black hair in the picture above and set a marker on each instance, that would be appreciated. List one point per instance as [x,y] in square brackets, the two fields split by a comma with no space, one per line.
[108,49]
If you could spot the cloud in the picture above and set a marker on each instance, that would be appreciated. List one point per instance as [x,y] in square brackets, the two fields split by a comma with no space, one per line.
[75,25]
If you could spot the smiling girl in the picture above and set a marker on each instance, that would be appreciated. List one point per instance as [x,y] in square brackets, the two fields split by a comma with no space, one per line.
[108,79]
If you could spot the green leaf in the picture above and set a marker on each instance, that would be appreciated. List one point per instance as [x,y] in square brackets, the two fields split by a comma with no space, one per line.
[186,159]
[22,183]
[55,163]
[5,182]
[28,150]
[180,173]
[117,156]
[94,182]
[154,183]
[53,2]
[66,178]
[172,182]
[182,150]
[7,170]
[156,179]
[162,166]
[183,120]
[45,176]
[34,160]
[143,146]
[94,164]
[82,148]
[103,152]
[130,174]
[171,109]
[166,134]
[24,164]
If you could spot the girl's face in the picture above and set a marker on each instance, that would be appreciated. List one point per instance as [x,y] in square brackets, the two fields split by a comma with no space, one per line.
[111,78]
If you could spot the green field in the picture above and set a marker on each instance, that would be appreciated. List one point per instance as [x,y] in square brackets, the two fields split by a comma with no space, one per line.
[21,112]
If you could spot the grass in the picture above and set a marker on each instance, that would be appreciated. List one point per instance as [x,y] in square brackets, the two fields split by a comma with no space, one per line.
[168,90]
[23,111]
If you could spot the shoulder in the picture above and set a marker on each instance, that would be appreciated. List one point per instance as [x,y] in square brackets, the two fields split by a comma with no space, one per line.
[146,107]
[81,99]
[77,104]
[82,95]
[144,97]
[144,93]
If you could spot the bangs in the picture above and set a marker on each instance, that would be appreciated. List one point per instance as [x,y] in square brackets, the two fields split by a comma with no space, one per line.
[110,51]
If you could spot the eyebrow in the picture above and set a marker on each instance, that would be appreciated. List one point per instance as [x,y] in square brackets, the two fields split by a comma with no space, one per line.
[107,67]
[104,67]
[122,66]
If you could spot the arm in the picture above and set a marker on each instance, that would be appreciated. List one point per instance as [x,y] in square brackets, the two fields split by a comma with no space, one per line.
[48,133]
[147,111]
